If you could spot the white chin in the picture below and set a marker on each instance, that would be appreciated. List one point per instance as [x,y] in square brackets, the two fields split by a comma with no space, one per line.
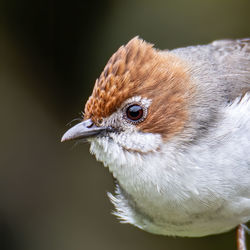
[120,151]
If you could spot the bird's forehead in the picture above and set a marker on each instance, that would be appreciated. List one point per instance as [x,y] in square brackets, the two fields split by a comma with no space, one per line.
[120,79]
[136,69]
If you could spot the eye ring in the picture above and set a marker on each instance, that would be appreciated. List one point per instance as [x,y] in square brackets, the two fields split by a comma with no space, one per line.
[135,113]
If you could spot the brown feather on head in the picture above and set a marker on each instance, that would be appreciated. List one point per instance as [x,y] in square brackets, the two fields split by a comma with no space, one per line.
[138,69]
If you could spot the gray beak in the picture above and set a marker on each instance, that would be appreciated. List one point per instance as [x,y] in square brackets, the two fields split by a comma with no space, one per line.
[81,130]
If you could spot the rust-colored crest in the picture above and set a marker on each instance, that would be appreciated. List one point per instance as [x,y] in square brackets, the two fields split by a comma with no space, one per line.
[137,69]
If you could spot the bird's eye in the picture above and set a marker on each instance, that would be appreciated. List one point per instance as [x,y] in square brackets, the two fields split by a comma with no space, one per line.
[134,113]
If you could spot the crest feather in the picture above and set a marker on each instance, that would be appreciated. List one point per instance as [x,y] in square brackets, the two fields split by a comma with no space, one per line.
[118,79]
[138,69]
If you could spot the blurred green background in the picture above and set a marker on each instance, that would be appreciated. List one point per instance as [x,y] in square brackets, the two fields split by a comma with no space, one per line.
[53,195]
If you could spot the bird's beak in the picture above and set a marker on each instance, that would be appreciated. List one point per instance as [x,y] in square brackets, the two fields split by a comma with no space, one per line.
[82,130]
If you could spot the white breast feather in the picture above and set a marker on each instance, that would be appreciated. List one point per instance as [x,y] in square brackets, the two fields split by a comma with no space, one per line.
[174,186]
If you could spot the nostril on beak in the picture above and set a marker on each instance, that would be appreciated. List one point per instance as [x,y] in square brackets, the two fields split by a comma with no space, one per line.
[89,123]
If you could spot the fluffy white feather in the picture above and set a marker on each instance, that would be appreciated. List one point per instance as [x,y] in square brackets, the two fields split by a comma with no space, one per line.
[186,191]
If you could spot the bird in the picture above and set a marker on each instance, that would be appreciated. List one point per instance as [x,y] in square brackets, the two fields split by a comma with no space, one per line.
[173,128]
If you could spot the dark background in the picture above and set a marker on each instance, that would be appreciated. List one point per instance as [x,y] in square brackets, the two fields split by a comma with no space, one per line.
[53,195]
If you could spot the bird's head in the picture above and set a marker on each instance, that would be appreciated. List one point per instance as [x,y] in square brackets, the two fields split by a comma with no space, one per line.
[139,102]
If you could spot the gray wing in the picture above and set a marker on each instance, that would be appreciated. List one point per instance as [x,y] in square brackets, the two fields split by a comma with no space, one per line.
[233,58]
[221,73]
[223,67]
[230,46]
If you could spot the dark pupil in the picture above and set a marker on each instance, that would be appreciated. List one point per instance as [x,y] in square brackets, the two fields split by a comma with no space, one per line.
[134,112]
